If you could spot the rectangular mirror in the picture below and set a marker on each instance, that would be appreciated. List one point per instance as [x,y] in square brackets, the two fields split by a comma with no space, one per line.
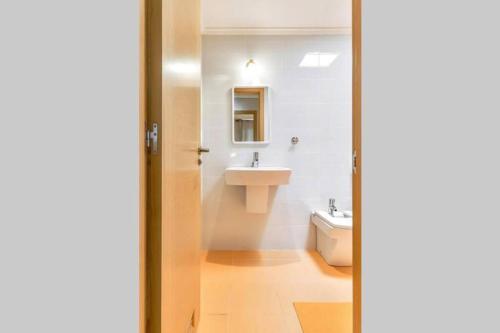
[251,115]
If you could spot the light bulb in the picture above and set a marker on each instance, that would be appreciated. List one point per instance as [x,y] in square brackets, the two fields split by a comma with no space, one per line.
[252,72]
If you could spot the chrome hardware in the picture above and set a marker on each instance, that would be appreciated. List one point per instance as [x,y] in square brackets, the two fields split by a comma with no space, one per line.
[331,207]
[152,139]
[295,140]
[255,162]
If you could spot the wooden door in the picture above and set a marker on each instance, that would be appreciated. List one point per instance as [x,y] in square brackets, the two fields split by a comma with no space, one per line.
[170,177]
[181,198]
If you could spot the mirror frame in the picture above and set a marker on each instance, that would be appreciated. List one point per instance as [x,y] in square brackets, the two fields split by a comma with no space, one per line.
[267,111]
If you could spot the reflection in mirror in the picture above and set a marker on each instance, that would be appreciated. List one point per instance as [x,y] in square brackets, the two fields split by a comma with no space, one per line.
[250,115]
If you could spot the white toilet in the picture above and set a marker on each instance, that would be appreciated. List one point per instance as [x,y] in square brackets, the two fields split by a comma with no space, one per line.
[334,237]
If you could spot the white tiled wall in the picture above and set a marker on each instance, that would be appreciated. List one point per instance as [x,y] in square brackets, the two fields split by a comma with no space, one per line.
[313,104]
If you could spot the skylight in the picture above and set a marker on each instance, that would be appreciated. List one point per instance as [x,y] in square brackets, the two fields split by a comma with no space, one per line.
[318,59]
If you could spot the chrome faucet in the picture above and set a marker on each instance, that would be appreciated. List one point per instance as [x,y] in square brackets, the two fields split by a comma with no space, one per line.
[331,207]
[255,162]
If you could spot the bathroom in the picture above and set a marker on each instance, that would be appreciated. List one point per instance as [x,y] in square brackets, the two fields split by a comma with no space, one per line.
[189,166]
[277,129]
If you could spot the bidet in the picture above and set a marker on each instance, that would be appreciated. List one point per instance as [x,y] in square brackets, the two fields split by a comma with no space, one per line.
[333,237]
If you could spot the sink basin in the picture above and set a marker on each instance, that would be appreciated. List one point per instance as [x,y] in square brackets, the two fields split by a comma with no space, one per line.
[257,182]
[270,176]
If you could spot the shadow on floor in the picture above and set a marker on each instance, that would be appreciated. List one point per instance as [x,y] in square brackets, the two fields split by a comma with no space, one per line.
[253,258]
[336,272]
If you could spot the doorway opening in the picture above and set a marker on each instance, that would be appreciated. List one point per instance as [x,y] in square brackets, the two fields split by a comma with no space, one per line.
[251,195]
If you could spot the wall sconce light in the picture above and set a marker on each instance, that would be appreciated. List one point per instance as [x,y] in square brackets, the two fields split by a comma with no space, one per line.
[251,64]
[251,72]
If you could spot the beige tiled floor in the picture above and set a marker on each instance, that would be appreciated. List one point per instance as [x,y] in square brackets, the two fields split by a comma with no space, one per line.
[254,291]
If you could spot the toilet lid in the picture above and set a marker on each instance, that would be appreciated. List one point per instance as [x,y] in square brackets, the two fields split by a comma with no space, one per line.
[336,222]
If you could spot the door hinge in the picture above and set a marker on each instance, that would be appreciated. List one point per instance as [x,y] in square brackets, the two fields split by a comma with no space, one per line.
[152,139]
[354,162]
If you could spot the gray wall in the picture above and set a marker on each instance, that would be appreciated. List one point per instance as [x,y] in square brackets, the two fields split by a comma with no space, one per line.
[68,151]
[431,118]
[69,165]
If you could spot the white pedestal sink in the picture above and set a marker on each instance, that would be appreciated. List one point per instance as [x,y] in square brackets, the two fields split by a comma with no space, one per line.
[257,182]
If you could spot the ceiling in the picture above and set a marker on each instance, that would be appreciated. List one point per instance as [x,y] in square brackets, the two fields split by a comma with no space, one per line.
[268,16]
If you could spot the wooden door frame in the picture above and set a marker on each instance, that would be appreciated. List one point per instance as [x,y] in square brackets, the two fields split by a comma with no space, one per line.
[356,186]
[357,131]
[142,165]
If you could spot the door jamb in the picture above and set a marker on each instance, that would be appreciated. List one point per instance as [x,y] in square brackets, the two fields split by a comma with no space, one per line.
[142,166]
[356,109]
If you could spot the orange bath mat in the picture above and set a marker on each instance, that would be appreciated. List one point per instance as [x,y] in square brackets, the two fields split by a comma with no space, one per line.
[325,317]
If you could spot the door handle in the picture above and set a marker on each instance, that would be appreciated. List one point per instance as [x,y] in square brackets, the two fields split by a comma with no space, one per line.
[203,150]
[200,151]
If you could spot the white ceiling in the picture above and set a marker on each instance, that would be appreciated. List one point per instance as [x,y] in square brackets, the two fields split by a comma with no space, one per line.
[278,15]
